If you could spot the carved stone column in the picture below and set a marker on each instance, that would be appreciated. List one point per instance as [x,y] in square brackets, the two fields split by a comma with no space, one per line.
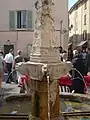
[45,42]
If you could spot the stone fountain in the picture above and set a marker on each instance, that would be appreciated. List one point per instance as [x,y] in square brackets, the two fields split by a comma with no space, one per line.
[45,66]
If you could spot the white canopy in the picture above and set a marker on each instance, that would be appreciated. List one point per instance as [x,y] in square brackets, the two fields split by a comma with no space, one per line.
[81,43]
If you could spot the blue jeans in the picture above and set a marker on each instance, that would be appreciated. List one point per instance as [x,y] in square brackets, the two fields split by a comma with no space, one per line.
[9,70]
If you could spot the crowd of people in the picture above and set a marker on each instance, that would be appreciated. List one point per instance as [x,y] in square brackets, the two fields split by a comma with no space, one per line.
[7,64]
[80,59]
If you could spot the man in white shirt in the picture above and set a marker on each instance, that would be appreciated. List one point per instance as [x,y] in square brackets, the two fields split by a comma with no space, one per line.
[9,61]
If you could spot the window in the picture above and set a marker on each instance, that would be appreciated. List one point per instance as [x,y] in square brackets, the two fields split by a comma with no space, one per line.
[84,19]
[85,35]
[85,5]
[76,20]
[20,20]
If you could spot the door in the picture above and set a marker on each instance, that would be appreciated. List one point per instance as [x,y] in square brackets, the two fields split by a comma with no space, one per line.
[7,48]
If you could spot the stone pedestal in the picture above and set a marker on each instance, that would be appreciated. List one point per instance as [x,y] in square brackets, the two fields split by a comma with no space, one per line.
[40,106]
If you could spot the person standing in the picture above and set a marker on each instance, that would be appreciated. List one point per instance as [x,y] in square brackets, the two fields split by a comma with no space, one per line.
[9,61]
[19,57]
[88,60]
[61,51]
[79,64]
[84,54]
[1,72]
[70,55]
[64,55]
[78,83]
[3,62]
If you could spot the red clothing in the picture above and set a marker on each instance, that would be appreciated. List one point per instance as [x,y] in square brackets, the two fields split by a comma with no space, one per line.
[67,81]
[24,79]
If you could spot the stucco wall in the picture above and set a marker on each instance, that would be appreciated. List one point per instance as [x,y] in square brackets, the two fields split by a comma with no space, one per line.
[61,14]
[81,11]
[6,5]
[22,38]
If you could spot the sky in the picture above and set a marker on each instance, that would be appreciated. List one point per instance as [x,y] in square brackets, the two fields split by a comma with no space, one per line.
[71,2]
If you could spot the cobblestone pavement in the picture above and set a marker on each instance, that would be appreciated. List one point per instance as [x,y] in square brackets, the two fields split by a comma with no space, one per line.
[9,89]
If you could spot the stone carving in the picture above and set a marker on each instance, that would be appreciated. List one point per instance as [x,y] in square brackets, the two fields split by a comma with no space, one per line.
[44,35]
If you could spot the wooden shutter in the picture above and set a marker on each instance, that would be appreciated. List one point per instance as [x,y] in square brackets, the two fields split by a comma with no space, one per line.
[29,20]
[11,20]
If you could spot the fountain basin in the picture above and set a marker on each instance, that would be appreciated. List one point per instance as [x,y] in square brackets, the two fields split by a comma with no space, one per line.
[72,107]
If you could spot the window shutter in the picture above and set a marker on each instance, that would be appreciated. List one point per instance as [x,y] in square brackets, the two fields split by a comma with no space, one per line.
[11,20]
[29,20]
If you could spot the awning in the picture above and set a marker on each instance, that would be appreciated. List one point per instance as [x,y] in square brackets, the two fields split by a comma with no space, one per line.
[69,44]
[81,43]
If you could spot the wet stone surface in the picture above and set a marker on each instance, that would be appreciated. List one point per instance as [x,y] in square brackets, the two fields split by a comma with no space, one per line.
[9,89]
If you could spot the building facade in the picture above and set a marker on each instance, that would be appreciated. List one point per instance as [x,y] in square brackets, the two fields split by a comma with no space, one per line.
[17,19]
[79,23]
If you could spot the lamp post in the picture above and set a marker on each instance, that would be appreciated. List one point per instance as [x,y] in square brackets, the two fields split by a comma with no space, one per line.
[62,32]
[61,27]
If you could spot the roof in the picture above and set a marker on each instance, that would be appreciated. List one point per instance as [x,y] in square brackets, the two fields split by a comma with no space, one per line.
[75,5]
